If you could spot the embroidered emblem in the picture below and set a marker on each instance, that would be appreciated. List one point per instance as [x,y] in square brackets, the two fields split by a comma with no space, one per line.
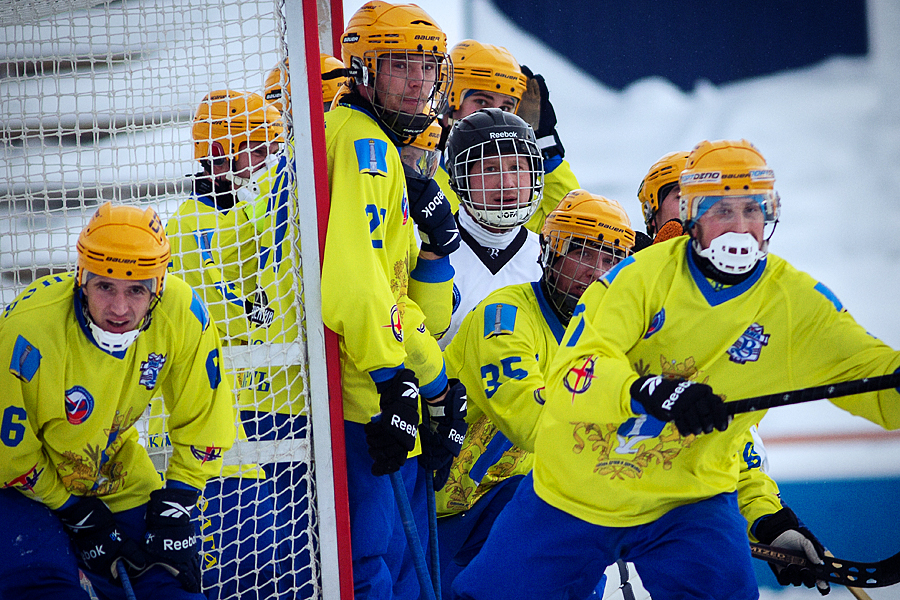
[579,378]
[656,323]
[206,454]
[150,369]
[396,324]
[748,346]
[79,405]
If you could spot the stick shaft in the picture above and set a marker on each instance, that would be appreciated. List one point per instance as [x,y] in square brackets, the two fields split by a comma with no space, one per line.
[834,390]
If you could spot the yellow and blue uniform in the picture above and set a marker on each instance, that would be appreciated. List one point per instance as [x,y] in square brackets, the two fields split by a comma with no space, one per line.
[369,256]
[607,471]
[68,407]
[215,251]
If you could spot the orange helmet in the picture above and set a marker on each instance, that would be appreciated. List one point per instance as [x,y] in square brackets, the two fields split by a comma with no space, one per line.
[399,31]
[227,118]
[580,222]
[662,174]
[422,153]
[486,68]
[726,168]
[280,74]
[124,242]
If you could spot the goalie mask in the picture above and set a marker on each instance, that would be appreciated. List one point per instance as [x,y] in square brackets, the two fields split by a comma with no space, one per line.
[397,56]
[123,242]
[495,167]
[583,238]
[727,184]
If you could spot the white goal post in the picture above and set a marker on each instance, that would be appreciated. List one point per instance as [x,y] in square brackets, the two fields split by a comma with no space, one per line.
[97,100]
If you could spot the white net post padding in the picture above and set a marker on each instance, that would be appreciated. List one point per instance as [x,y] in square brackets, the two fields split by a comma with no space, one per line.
[97,101]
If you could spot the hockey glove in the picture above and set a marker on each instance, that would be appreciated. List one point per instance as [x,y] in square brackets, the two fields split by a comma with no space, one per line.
[693,407]
[784,530]
[444,432]
[536,110]
[431,211]
[670,229]
[641,241]
[391,435]
[170,539]
[97,539]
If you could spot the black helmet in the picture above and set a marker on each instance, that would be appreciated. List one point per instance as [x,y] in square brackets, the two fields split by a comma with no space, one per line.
[473,160]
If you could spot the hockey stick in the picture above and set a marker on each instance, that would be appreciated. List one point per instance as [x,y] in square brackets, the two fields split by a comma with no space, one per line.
[432,535]
[412,536]
[834,390]
[857,593]
[848,573]
[126,582]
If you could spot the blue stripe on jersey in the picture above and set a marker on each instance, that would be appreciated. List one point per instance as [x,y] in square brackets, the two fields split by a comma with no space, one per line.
[499,319]
[212,368]
[716,297]
[199,310]
[371,154]
[494,451]
[822,289]
[26,359]
[611,274]
[436,387]
[552,320]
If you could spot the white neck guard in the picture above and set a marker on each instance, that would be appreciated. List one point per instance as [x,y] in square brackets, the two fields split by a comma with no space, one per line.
[485,238]
[734,253]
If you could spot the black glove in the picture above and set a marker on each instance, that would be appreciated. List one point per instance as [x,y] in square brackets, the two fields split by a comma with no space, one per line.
[784,530]
[693,406]
[391,435]
[98,540]
[536,110]
[257,309]
[444,432]
[431,211]
[170,539]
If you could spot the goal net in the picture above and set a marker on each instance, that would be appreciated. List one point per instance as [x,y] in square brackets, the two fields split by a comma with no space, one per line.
[97,101]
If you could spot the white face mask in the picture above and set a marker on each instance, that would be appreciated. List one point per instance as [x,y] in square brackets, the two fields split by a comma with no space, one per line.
[113,342]
[734,253]
[259,182]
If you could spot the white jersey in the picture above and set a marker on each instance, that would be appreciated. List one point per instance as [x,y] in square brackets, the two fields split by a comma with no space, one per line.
[479,269]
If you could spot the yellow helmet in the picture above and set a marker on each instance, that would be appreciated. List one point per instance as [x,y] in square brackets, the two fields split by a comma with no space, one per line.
[380,29]
[486,68]
[274,93]
[657,183]
[422,153]
[726,168]
[124,242]
[580,222]
[227,118]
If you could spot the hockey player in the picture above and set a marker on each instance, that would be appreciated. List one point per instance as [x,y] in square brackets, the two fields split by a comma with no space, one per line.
[502,353]
[87,351]
[331,82]
[659,196]
[400,72]
[236,137]
[235,134]
[496,171]
[636,456]
[487,76]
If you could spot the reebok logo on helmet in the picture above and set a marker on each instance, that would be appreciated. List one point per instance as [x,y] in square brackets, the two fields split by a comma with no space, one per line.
[503,134]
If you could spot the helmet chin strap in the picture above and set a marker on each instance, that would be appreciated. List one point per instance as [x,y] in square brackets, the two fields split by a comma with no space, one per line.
[734,253]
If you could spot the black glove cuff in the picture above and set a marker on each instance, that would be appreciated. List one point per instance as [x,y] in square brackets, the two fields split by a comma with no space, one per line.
[770,527]
[82,509]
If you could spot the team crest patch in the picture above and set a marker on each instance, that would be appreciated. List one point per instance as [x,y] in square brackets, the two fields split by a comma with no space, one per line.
[748,346]
[371,154]
[150,369]
[404,206]
[79,405]
[656,323]
[579,377]
[206,454]
[396,325]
